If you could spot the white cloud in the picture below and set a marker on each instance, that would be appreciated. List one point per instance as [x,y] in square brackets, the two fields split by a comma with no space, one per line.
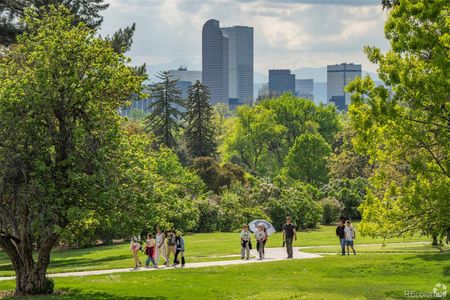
[288,33]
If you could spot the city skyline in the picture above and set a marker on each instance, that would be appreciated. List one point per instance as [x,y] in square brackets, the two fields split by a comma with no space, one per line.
[288,34]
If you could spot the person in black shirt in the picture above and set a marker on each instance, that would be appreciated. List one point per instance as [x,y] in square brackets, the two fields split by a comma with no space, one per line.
[340,233]
[289,234]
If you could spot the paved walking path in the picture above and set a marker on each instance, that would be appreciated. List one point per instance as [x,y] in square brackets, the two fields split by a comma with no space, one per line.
[272,254]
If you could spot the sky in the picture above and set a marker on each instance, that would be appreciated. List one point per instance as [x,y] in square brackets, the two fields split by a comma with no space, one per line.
[287,33]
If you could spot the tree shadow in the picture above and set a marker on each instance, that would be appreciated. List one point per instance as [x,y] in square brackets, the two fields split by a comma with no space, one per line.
[68,294]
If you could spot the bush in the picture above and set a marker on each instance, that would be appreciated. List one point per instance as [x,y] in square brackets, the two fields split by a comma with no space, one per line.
[331,210]
[209,213]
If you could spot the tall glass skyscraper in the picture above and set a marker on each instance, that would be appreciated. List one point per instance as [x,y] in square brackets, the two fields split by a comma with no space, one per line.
[338,76]
[215,61]
[281,81]
[240,60]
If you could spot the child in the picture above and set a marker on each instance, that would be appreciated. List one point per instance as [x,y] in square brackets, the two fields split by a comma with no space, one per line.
[260,236]
[179,245]
[245,242]
[150,251]
[135,246]
[349,237]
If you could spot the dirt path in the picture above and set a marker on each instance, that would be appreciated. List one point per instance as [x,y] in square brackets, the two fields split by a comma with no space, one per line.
[272,254]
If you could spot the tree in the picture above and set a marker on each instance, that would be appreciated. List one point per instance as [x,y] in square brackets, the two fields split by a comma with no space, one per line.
[406,132]
[307,159]
[165,116]
[61,87]
[199,131]
[87,12]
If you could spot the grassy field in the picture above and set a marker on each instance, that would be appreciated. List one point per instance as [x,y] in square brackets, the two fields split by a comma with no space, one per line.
[200,247]
[332,277]
[378,273]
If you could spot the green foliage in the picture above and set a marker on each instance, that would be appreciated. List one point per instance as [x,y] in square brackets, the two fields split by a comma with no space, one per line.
[307,159]
[262,136]
[199,131]
[405,133]
[165,116]
[331,210]
[87,12]
[59,128]
[216,176]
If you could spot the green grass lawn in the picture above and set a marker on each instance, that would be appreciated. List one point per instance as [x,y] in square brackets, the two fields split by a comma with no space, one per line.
[377,273]
[200,247]
[331,277]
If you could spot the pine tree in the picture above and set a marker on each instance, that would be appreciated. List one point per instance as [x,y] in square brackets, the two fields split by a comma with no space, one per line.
[199,131]
[165,117]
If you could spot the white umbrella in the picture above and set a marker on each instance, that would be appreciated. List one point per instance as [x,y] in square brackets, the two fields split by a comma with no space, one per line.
[253,226]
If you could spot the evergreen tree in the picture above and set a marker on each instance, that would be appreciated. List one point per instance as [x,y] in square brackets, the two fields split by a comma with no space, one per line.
[164,119]
[199,132]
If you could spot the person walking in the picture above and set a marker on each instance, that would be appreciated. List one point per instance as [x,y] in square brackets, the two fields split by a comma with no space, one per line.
[161,246]
[245,242]
[135,246]
[150,251]
[179,245]
[340,233]
[266,237]
[260,236]
[171,237]
[289,234]
[349,237]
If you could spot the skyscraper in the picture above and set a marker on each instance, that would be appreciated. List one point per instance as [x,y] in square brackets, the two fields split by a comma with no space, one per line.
[185,79]
[281,81]
[240,60]
[338,76]
[304,88]
[215,61]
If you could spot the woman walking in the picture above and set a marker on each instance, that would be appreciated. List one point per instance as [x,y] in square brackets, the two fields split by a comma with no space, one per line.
[260,237]
[179,244]
[150,251]
[161,246]
[245,242]
[135,246]
[171,237]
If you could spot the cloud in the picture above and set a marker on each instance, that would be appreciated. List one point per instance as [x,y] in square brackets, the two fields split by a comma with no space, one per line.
[288,33]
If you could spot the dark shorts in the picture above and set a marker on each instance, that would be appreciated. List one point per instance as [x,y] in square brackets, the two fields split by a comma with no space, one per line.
[349,243]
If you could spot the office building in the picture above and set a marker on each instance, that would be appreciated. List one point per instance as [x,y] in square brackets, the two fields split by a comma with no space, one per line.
[281,81]
[215,61]
[304,88]
[338,76]
[240,64]
[185,79]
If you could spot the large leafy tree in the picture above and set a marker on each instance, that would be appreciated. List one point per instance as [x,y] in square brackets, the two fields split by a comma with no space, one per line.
[199,131]
[164,120]
[407,132]
[307,159]
[61,87]
[11,11]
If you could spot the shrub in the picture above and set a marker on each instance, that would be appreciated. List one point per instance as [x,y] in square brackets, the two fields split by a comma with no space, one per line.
[331,210]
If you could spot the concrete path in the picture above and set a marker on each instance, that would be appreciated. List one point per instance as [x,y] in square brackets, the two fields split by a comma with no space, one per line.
[272,254]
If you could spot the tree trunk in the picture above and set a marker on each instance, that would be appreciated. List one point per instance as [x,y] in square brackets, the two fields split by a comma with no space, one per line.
[435,240]
[30,274]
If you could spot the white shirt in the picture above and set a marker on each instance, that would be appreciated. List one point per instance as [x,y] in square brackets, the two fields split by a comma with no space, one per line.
[160,239]
[349,232]
[259,235]
[245,235]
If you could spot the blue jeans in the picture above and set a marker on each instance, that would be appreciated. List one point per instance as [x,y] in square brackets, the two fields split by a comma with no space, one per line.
[342,242]
[150,259]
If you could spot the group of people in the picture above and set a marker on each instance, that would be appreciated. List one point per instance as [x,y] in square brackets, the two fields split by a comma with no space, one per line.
[261,237]
[162,246]
[346,234]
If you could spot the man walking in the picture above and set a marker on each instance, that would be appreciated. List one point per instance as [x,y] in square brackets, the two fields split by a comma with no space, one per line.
[289,234]
[340,233]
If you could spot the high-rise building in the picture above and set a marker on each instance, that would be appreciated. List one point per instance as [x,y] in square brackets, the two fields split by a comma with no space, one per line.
[281,81]
[338,76]
[304,88]
[240,64]
[215,61]
[185,79]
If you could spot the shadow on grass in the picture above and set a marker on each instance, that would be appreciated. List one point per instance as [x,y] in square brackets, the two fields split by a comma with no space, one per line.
[80,262]
[68,294]
[442,256]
